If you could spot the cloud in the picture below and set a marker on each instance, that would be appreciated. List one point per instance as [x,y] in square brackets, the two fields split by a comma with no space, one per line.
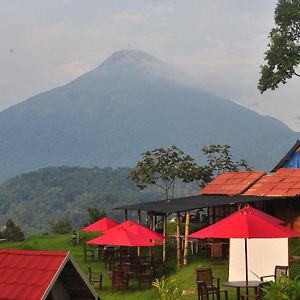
[164,9]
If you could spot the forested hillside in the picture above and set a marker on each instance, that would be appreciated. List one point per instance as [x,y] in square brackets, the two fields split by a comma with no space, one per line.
[36,199]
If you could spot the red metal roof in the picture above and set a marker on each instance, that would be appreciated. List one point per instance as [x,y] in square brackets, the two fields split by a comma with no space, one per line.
[26,275]
[284,183]
[231,183]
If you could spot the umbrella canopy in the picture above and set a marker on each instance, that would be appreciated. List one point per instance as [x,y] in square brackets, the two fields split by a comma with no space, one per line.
[141,231]
[101,225]
[246,223]
[121,237]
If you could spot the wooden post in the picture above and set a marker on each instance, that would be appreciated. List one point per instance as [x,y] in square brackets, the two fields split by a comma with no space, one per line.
[139,222]
[165,240]
[178,239]
[151,227]
[125,215]
[139,217]
[186,239]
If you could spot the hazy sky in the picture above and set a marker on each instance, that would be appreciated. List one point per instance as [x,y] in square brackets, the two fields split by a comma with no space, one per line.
[47,43]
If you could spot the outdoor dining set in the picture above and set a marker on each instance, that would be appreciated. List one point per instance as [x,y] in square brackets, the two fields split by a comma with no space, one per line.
[242,228]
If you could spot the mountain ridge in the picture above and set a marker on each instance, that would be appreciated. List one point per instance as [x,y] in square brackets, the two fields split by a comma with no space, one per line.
[127,105]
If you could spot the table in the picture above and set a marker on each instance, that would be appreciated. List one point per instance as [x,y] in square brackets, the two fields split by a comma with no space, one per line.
[242,284]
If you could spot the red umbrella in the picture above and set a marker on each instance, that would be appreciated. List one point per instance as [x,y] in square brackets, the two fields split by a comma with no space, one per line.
[141,230]
[101,225]
[121,237]
[246,223]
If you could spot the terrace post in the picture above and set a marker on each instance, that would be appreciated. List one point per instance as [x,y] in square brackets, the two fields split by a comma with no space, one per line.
[125,215]
[186,239]
[178,239]
[151,227]
[139,222]
[165,240]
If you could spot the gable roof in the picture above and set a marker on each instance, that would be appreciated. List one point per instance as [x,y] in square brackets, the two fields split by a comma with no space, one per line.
[30,275]
[284,183]
[287,157]
[231,183]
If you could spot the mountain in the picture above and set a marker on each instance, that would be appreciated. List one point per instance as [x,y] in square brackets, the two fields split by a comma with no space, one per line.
[131,103]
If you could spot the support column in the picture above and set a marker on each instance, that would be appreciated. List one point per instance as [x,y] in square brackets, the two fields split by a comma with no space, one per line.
[139,222]
[178,240]
[125,215]
[186,239]
[165,240]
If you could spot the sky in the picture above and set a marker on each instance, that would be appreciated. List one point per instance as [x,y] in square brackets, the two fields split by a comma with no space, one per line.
[47,43]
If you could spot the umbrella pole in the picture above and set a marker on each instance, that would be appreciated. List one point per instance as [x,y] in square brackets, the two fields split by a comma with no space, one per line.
[139,222]
[246,265]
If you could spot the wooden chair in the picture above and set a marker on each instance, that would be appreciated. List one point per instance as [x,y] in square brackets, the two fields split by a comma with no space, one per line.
[205,275]
[95,277]
[216,253]
[146,277]
[277,272]
[88,253]
[119,280]
[204,292]
[258,293]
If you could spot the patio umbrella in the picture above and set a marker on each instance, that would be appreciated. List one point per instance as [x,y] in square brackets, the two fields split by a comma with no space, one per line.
[103,225]
[142,230]
[246,223]
[121,237]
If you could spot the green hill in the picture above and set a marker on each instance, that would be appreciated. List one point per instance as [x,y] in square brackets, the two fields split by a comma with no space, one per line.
[36,199]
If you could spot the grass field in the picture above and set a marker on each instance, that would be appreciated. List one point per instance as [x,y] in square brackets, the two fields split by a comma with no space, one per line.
[185,278]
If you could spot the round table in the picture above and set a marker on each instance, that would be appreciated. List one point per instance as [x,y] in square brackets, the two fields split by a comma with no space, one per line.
[242,284]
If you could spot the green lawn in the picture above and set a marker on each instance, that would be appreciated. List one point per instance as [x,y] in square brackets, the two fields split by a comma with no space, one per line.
[185,278]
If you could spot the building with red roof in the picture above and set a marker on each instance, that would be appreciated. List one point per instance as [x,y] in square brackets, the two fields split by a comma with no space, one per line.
[283,183]
[37,275]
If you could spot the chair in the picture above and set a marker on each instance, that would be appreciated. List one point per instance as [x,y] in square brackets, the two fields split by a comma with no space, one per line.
[258,293]
[119,280]
[88,253]
[216,254]
[277,272]
[95,277]
[205,275]
[204,293]
[146,277]
[109,258]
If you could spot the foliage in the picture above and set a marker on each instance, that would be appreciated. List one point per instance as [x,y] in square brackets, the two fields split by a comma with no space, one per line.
[95,214]
[219,159]
[167,288]
[12,232]
[283,288]
[162,167]
[59,193]
[283,54]
[62,227]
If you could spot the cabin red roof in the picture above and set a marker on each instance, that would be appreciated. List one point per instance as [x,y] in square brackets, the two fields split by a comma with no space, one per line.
[284,183]
[231,183]
[26,275]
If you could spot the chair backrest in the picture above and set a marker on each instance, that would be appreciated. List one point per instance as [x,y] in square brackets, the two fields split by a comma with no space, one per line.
[279,270]
[205,275]
[118,276]
[202,290]
[216,250]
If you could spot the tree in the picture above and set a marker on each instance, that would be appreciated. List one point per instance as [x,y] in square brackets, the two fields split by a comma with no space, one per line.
[283,54]
[62,227]
[161,167]
[219,159]
[95,214]
[12,232]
